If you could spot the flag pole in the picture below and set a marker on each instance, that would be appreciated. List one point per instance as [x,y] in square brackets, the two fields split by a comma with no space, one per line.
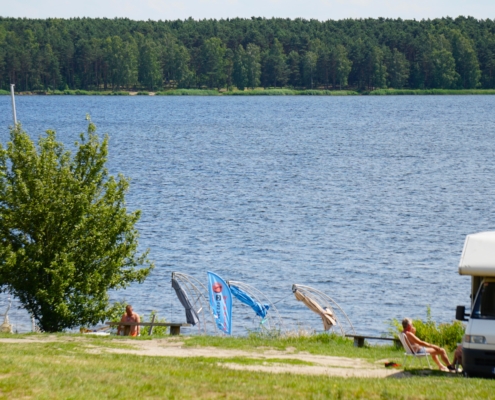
[13,104]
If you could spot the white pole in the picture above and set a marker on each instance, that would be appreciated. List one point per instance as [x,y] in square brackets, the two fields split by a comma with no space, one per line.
[13,104]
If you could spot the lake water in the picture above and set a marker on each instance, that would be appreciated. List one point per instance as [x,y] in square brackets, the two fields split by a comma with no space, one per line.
[368,199]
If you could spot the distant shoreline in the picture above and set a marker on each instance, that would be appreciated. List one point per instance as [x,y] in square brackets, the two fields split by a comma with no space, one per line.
[261,92]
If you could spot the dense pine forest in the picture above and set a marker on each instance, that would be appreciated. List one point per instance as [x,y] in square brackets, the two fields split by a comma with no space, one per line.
[364,54]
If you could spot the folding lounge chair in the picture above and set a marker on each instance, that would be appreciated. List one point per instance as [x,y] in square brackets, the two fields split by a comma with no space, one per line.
[409,353]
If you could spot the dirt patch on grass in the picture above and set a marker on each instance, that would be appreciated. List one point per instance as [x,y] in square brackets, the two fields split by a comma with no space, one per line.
[317,370]
[174,347]
[33,339]
[321,365]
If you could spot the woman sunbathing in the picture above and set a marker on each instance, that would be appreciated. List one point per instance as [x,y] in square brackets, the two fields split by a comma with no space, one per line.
[418,346]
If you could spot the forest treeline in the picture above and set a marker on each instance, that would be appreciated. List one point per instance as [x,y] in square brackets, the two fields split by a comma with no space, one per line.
[115,54]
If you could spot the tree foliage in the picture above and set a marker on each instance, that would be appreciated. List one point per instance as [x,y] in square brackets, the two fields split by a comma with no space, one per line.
[94,54]
[66,237]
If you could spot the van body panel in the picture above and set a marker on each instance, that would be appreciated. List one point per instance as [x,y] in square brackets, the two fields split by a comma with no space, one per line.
[478,261]
[478,254]
[481,327]
[478,362]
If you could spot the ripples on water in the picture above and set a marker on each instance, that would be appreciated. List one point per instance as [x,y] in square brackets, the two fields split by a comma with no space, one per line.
[368,199]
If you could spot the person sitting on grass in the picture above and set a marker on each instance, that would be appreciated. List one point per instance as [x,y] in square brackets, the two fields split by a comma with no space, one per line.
[129,316]
[418,346]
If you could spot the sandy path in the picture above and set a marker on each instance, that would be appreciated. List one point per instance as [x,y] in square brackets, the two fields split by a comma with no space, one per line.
[322,365]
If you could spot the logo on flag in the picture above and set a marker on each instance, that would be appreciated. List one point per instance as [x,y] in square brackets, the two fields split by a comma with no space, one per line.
[220,302]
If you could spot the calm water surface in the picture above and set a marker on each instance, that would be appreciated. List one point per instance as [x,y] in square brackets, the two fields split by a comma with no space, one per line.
[368,199]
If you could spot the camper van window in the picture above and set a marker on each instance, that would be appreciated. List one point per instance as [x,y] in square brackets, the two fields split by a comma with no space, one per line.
[485,303]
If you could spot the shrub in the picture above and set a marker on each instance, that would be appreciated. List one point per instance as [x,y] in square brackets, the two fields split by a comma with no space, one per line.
[157,330]
[446,335]
[67,237]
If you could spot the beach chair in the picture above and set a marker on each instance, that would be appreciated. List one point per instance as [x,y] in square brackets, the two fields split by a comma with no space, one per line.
[409,353]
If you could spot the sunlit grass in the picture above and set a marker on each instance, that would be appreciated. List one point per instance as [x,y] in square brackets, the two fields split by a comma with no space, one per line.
[290,92]
[61,370]
[321,344]
[188,92]
[431,91]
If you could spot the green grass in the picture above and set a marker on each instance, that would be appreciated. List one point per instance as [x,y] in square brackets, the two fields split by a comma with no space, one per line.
[321,344]
[61,370]
[188,92]
[290,92]
[260,92]
[395,92]
[327,93]
[262,361]
[272,92]
[4,92]
[83,93]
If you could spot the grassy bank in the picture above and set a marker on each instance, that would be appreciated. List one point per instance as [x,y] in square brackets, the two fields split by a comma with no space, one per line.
[290,92]
[409,92]
[189,92]
[70,93]
[255,92]
[195,92]
[85,93]
[266,92]
[80,368]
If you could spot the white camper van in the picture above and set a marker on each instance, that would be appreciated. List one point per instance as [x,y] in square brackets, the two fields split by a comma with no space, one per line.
[478,346]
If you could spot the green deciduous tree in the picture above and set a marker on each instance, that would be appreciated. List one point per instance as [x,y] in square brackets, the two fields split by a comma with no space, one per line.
[253,65]
[82,58]
[437,64]
[228,65]
[175,62]
[397,68]
[276,71]
[443,75]
[466,61]
[51,69]
[323,67]
[66,237]
[309,60]
[340,66]
[122,60]
[213,63]
[293,63]
[240,72]
[376,68]
[150,71]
